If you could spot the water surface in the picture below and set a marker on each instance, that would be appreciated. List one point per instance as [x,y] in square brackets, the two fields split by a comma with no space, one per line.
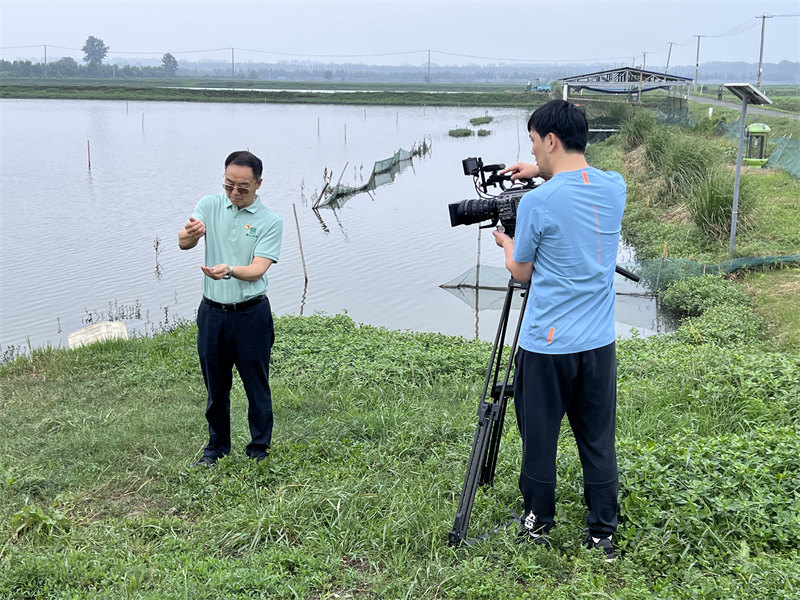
[82,245]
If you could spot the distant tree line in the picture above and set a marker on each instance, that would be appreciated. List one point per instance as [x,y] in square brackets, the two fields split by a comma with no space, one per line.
[95,52]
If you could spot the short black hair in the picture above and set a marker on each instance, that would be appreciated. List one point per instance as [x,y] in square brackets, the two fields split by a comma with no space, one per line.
[244,158]
[565,120]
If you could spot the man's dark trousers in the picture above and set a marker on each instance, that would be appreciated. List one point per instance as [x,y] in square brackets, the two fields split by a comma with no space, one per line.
[583,386]
[242,338]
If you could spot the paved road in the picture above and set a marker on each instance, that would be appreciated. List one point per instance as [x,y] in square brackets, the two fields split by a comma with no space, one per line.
[737,105]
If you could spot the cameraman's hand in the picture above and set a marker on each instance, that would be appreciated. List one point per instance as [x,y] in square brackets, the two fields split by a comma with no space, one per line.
[522,170]
[501,238]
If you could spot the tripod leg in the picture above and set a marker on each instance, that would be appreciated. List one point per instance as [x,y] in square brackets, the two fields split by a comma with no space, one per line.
[501,394]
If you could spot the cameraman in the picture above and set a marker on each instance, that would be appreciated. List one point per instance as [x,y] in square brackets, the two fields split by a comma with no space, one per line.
[567,234]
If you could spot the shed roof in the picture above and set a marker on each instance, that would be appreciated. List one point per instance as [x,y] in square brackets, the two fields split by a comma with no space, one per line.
[625,80]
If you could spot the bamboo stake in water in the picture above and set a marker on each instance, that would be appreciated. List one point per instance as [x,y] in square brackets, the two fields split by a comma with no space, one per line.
[89,154]
[300,241]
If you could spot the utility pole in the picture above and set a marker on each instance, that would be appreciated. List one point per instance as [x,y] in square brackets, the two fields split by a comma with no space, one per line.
[45,60]
[697,62]
[669,53]
[644,61]
[429,66]
[764,18]
[232,76]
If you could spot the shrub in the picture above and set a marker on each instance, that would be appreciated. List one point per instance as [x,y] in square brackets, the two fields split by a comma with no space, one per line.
[483,132]
[481,120]
[693,296]
[460,132]
[723,325]
[710,202]
[636,130]
[710,127]
[683,160]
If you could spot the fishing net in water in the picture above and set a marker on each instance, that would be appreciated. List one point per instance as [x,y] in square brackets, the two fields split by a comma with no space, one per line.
[486,287]
[383,172]
[654,275]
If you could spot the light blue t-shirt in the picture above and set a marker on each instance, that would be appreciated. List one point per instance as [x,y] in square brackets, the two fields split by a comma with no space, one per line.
[235,237]
[569,227]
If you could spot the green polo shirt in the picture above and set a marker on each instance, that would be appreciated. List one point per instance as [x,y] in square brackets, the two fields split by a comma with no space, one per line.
[235,237]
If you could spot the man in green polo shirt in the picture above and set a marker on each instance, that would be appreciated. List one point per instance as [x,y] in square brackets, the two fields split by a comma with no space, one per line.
[234,321]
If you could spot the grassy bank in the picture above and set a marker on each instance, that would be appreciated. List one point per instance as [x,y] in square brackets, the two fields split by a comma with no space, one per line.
[373,430]
[275,92]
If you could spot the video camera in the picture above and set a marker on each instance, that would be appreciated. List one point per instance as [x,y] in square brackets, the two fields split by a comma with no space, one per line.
[500,207]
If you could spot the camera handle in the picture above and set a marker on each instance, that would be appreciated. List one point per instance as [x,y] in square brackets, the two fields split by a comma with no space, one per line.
[491,414]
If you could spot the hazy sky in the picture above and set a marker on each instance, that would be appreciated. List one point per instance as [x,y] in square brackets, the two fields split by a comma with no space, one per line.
[388,32]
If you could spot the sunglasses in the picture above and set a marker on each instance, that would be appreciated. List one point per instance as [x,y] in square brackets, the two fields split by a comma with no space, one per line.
[229,187]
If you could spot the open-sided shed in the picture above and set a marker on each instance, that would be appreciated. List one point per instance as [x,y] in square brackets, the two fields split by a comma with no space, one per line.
[626,80]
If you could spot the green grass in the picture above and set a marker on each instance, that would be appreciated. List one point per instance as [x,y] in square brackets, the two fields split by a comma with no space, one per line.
[373,430]
[780,126]
[775,294]
[274,92]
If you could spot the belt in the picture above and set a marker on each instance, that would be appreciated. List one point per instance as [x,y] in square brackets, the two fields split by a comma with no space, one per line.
[235,305]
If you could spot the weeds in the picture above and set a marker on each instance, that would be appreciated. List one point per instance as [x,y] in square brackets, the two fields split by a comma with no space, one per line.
[710,203]
[373,430]
[461,132]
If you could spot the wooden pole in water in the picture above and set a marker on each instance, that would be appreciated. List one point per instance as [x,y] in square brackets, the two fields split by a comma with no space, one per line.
[319,199]
[345,133]
[300,241]
[89,154]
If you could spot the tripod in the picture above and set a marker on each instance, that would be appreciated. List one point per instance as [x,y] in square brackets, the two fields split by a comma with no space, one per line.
[492,412]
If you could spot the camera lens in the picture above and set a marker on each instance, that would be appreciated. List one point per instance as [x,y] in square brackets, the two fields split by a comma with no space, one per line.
[468,212]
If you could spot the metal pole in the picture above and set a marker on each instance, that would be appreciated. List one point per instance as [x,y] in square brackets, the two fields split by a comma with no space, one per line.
[761,54]
[735,212]
[429,66]
[697,61]
[669,53]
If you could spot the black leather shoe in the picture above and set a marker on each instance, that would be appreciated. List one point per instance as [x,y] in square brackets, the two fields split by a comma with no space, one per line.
[206,461]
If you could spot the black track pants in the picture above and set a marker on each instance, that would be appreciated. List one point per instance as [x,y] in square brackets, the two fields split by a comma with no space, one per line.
[583,386]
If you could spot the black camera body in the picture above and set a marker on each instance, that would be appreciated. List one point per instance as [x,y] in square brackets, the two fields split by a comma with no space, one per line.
[499,209]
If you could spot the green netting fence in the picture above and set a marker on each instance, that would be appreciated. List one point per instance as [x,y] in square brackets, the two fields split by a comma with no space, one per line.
[784,155]
[604,113]
[657,274]
[383,172]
